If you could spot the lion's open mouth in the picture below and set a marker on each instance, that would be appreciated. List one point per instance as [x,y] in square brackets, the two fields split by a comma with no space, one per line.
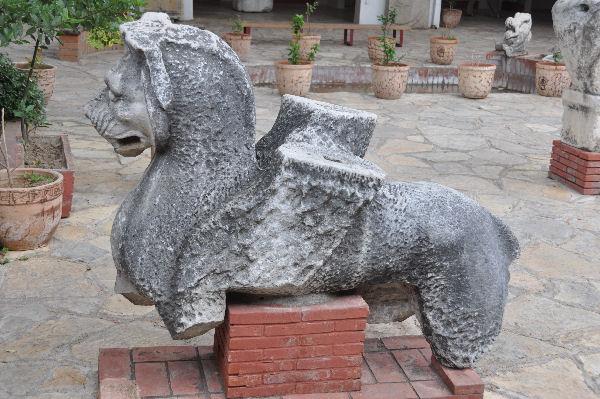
[130,145]
[129,140]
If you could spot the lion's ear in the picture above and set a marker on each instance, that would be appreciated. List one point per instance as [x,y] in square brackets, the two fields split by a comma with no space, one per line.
[159,78]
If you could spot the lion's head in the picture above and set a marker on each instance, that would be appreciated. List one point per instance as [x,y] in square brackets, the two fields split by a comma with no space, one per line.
[162,84]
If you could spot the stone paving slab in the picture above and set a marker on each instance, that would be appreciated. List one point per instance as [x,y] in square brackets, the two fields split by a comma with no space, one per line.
[58,308]
[187,371]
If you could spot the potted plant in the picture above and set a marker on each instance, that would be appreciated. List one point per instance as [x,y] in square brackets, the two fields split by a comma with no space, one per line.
[294,75]
[374,42]
[30,203]
[49,152]
[307,43]
[475,79]
[44,74]
[12,85]
[389,76]
[442,48]
[451,16]
[237,39]
[552,77]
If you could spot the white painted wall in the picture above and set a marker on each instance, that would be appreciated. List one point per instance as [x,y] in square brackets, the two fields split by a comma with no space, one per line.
[414,13]
[366,11]
[182,10]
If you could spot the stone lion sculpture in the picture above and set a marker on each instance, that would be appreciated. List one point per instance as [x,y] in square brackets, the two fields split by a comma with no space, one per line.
[299,213]
[517,35]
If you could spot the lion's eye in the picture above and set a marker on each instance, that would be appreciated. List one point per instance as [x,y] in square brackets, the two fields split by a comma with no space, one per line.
[112,97]
[584,7]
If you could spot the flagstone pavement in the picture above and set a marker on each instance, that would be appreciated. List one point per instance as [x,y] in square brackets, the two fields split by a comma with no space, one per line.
[57,308]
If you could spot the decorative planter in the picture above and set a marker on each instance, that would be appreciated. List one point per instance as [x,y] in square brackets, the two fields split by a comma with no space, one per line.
[46,76]
[306,44]
[375,50]
[389,81]
[29,216]
[293,79]
[451,17]
[551,79]
[475,79]
[239,42]
[442,50]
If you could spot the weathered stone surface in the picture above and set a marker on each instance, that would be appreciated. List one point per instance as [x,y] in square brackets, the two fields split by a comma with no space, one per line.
[517,35]
[44,278]
[577,27]
[302,213]
[66,376]
[581,120]
[556,379]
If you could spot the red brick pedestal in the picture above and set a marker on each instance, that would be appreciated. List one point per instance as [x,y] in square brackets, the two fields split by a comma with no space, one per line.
[576,168]
[267,350]
[392,368]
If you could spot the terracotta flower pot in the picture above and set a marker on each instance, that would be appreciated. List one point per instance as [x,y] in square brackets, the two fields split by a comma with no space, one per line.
[389,81]
[306,44]
[375,50]
[293,79]
[239,42]
[475,80]
[442,50]
[551,79]
[450,17]
[29,216]
[46,77]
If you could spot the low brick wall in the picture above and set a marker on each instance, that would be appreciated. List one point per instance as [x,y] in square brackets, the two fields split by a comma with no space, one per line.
[265,350]
[575,168]
[514,73]
[75,47]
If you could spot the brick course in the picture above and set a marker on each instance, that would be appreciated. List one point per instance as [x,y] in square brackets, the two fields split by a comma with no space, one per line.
[575,168]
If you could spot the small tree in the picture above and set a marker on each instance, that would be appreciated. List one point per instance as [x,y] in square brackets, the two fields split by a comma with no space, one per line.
[310,9]
[389,50]
[451,4]
[557,57]
[42,21]
[294,48]
[237,26]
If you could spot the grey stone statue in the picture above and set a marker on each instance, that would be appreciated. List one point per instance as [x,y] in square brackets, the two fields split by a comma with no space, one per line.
[300,213]
[517,35]
[577,27]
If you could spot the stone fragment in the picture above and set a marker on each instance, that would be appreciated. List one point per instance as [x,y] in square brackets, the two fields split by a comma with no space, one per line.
[517,35]
[581,120]
[577,28]
[301,212]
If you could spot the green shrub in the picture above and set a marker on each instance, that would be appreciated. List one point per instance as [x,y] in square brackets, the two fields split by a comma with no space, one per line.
[12,87]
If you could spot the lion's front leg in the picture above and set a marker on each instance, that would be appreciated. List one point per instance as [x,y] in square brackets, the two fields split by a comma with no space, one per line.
[194,313]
